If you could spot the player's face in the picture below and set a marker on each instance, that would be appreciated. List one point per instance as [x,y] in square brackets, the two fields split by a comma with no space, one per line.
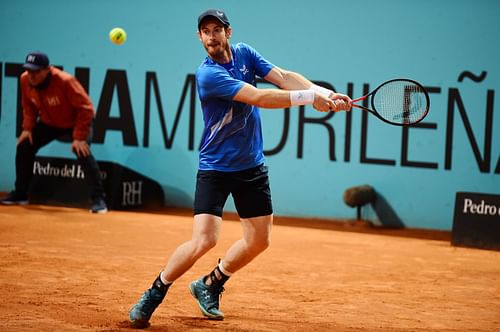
[36,77]
[215,38]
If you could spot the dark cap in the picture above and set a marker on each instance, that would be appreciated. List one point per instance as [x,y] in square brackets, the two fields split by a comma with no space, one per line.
[217,13]
[36,60]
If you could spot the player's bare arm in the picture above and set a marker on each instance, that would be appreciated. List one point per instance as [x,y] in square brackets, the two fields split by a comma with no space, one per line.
[289,80]
[299,94]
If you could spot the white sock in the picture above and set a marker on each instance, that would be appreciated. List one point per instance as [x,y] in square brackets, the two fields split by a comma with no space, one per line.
[224,271]
[165,282]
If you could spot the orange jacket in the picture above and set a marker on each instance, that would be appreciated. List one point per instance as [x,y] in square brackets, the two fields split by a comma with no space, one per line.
[62,104]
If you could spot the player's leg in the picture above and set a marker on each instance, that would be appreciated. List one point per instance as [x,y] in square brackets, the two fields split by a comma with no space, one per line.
[207,289]
[252,197]
[256,239]
[206,229]
[253,201]
[25,158]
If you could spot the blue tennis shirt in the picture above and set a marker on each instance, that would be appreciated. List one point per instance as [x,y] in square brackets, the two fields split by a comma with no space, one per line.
[232,136]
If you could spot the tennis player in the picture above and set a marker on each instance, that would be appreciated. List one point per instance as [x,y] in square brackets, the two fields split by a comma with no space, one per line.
[231,161]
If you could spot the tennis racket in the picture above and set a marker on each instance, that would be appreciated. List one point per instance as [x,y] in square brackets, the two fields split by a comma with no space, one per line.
[400,102]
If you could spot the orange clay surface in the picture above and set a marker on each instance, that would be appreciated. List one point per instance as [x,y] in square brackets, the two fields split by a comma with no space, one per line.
[63,269]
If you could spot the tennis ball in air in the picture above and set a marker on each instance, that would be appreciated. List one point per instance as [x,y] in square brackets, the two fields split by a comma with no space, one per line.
[117,36]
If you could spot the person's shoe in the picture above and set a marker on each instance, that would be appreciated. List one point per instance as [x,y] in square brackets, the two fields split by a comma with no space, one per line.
[207,298]
[98,205]
[141,312]
[13,198]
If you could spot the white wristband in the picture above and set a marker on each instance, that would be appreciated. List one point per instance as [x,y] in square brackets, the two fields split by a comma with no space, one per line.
[302,97]
[321,90]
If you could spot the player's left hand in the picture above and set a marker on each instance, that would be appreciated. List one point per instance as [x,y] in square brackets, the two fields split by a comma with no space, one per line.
[81,148]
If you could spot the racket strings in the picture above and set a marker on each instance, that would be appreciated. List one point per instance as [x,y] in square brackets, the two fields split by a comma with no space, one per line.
[400,101]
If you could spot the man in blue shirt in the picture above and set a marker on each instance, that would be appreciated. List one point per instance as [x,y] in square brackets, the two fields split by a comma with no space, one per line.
[231,160]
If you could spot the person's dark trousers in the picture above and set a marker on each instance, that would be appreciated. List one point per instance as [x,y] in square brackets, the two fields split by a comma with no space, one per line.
[42,135]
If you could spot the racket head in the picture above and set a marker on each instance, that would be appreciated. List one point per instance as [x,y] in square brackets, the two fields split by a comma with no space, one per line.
[400,101]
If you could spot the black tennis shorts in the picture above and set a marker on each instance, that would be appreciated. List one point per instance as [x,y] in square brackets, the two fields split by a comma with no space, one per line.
[249,188]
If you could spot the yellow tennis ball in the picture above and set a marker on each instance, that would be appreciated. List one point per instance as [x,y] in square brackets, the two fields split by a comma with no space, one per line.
[117,36]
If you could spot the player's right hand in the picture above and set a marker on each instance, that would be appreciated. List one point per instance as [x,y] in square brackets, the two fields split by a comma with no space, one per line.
[342,102]
[322,103]
[335,102]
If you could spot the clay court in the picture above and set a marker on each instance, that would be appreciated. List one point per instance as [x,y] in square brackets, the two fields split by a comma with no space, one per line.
[63,269]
